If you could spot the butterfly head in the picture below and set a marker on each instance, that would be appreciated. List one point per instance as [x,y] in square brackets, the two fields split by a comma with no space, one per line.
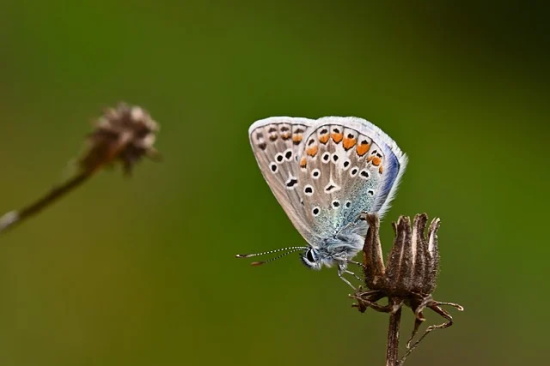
[312,258]
[337,249]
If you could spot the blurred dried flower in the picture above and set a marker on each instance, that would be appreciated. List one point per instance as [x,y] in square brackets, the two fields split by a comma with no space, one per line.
[409,278]
[125,133]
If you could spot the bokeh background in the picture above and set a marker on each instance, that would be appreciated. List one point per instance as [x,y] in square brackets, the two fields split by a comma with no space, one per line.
[141,271]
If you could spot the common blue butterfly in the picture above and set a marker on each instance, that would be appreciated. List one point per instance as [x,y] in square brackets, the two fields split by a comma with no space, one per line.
[325,173]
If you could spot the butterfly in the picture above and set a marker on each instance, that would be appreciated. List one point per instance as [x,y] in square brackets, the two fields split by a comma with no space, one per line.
[326,174]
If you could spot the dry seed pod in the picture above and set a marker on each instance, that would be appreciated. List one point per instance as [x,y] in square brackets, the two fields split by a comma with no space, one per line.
[408,278]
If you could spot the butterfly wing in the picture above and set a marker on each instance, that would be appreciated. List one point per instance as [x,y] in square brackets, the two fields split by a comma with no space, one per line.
[349,166]
[277,143]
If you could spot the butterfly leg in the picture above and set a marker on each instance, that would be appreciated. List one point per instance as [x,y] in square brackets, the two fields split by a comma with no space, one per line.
[353,274]
[342,269]
[341,275]
[358,264]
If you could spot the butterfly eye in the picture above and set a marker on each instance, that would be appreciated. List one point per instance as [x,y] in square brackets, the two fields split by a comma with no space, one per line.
[309,256]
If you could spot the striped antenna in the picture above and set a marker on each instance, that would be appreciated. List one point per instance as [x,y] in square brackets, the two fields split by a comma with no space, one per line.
[287,250]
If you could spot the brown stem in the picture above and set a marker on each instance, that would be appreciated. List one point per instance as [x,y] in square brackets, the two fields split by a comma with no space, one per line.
[392,347]
[13,218]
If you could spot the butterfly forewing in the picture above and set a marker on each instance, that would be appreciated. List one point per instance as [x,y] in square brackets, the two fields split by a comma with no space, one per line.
[277,142]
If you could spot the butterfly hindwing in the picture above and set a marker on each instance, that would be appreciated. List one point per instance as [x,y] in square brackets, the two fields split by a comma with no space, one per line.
[351,167]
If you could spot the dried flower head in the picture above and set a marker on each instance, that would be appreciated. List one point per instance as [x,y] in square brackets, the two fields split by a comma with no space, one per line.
[125,133]
[410,276]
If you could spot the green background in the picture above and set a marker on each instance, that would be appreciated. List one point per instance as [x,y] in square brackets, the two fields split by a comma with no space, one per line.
[141,271]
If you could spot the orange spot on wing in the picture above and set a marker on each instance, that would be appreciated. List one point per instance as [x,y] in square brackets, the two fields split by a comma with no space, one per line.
[303,162]
[285,135]
[324,138]
[349,143]
[362,149]
[337,137]
[312,151]
[297,138]
[376,161]
[381,169]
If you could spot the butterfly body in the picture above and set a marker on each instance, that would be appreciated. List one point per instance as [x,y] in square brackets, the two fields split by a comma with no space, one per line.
[325,173]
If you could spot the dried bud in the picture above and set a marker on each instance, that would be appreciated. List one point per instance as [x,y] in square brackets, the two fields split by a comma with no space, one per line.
[411,273]
[414,259]
[125,133]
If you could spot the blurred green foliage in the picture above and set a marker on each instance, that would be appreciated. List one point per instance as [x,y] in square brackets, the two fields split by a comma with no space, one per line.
[141,271]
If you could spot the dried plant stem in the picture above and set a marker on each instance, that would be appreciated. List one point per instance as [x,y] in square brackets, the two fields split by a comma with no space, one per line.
[13,218]
[392,347]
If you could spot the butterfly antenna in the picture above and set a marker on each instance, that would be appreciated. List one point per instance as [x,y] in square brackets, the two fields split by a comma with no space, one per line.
[287,250]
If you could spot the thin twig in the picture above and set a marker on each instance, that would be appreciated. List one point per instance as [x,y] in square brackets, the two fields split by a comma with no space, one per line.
[392,347]
[13,218]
